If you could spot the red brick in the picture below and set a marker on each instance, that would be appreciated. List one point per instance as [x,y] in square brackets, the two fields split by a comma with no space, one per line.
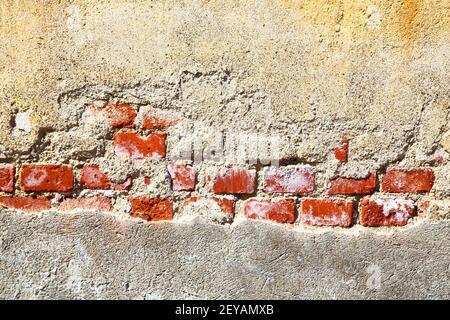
[46,178]
[327,212]
[131,144]
[294,180]
[423,206]
[121,115]
[152,118]
[151,209]
[92,178]
[282,211]
[341,152]
[7,173]
[386,212]
[226,204]
[183,177]
[148,182]
[99,203]
[27,204]
[408,180]
[235,181]
[125,185]
[351,186]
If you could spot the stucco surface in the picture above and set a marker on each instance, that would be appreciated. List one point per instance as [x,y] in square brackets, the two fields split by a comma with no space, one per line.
[93,255]
[376,70]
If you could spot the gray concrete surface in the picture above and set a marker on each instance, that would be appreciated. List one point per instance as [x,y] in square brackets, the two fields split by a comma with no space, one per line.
[87,255]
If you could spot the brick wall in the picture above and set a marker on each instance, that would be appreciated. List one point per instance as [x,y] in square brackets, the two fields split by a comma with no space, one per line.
[292,193]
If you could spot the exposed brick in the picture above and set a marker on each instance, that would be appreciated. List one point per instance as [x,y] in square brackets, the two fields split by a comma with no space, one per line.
[341,152]
[131,144]
[99,203]
[152,118]
[27,204]
[423,206]
[121,115]
[125,185]
[148,182]
[46,178]
[282,211]
[294,180]
[235,181]
[351,186]
[408,180]
[92,178]
[183,177]
[386,212]
[226,204]
[7,173]
[327,212]
[151,209]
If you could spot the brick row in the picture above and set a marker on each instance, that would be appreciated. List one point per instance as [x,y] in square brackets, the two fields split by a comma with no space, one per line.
[373,212]
[289,181]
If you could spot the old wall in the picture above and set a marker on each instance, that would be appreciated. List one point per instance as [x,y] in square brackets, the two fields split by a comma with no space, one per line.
[297,148]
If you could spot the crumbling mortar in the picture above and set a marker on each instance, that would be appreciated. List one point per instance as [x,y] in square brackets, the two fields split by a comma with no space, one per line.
[320,165]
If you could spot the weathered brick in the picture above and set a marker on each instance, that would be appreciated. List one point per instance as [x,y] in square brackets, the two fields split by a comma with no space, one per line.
[152,118]
[182,176]
[341,152]
[27,204]
[235,181]
[125,185]
[7,173]
[148,183]
[327,212]
[294,180]
[423,206]
[46,178]
[92,178]
[282,211]
[151,209]
[416,180]
[131,144]
[226,204]
[386,212]
[351,186]
[98,203]
[120,115]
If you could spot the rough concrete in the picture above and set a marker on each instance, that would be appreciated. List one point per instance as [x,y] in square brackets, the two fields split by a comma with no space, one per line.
[93,255]
[306,72]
